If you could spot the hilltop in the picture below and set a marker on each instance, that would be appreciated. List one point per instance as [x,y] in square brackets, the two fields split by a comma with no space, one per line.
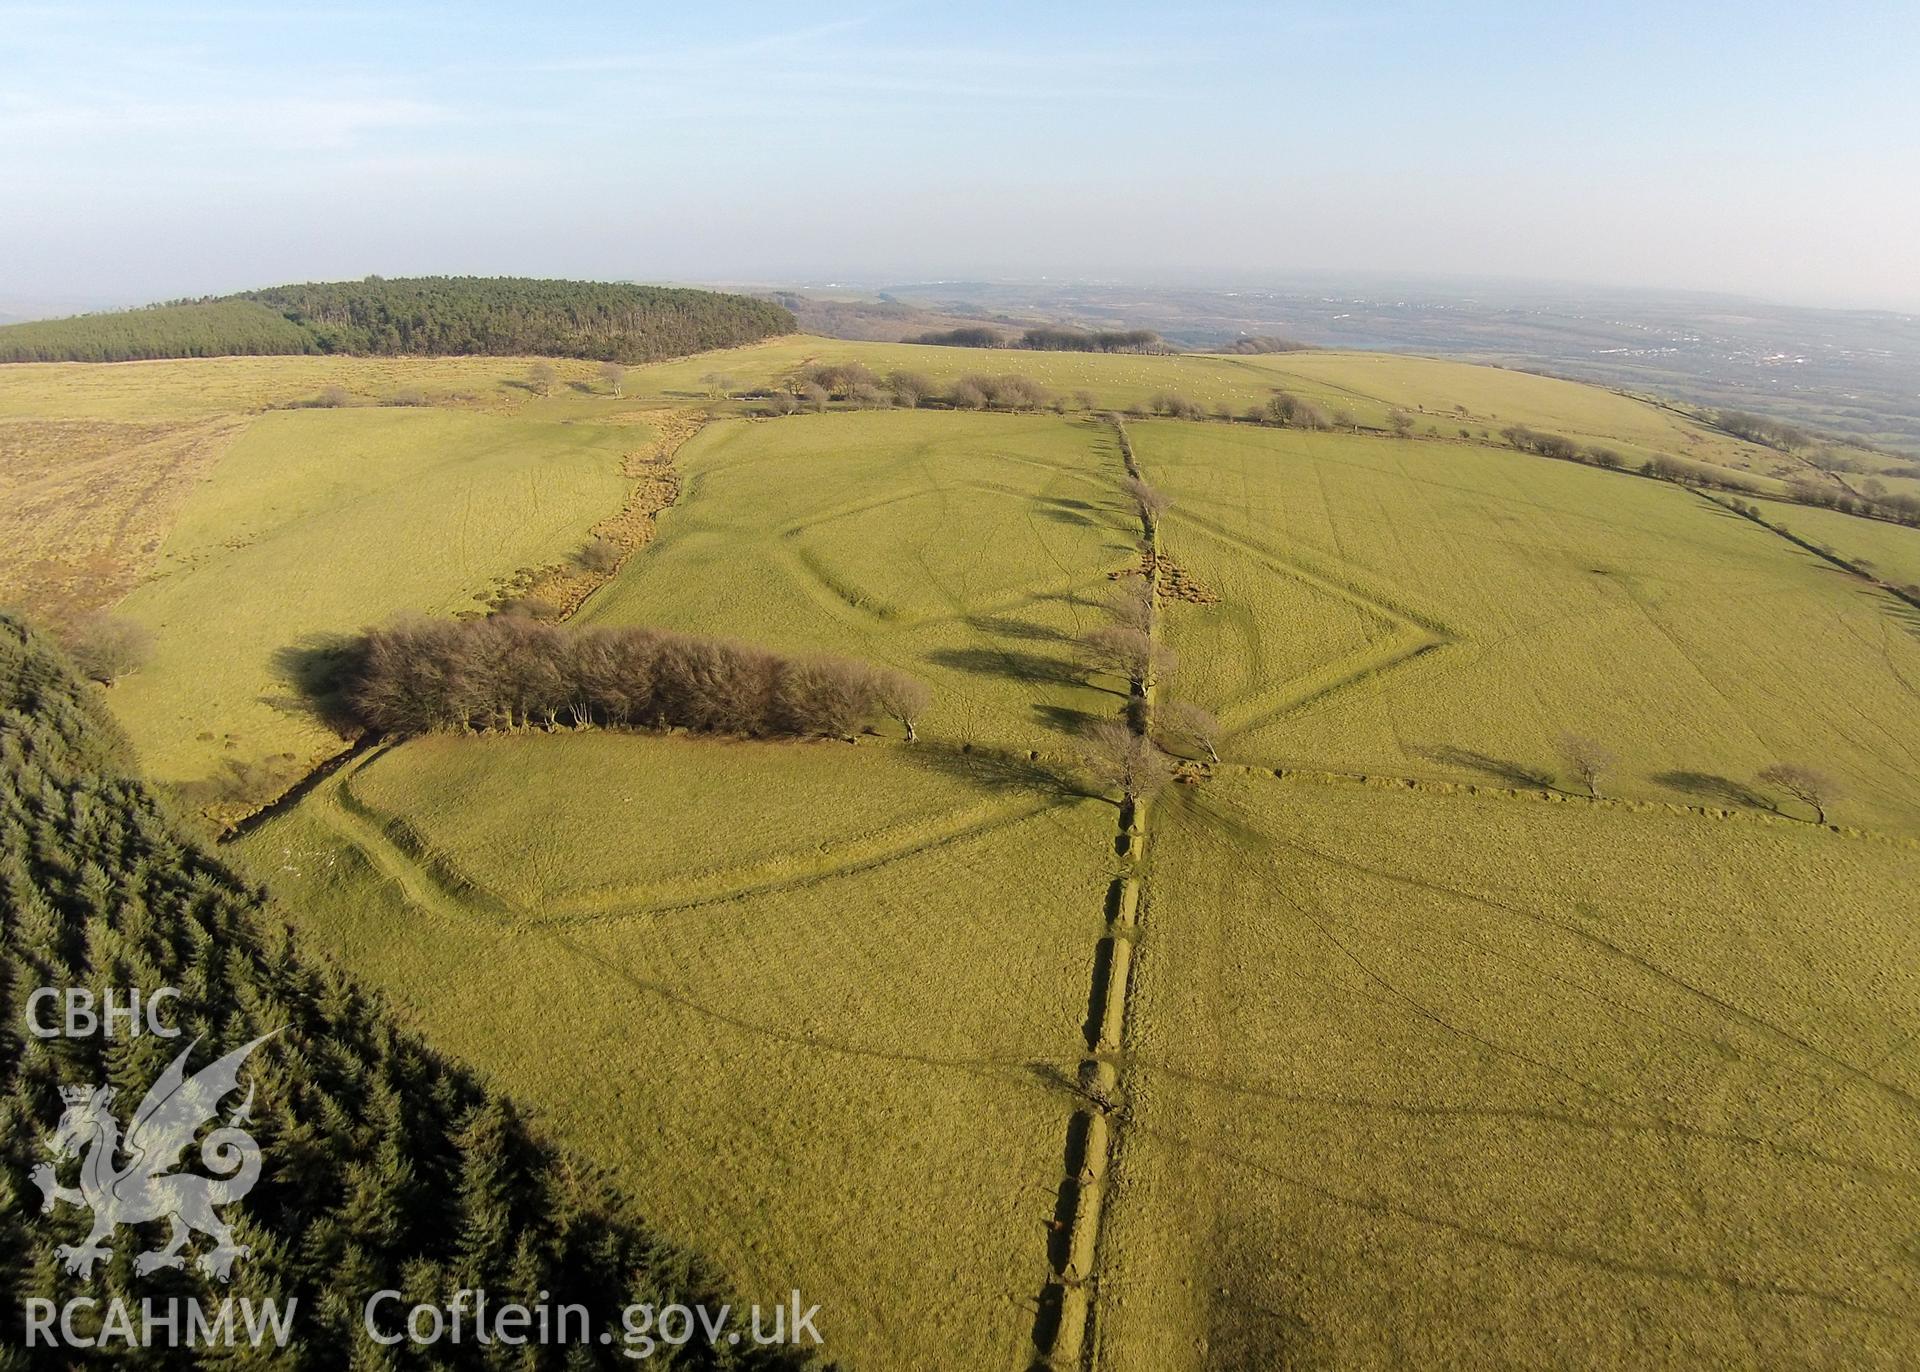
[412,316]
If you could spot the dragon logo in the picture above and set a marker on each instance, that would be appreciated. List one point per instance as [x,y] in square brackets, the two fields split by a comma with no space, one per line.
[146,1188]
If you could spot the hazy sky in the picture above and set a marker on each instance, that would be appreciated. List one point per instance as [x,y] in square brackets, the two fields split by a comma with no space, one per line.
[167,149]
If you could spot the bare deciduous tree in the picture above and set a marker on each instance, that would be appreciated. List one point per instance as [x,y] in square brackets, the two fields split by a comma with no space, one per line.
[1400,422]
[1194,724]
[420,675]
[107,648]
[615,376]
[1121,760]
[1587,759]
[910,388]
[1126,652]
[1808,785]
[901,698]
[1149,500]
[541,376]
[1130,603]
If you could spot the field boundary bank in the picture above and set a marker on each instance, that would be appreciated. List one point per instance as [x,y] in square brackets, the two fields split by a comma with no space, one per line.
[1065,1323]
[1315,776]
[1833,559]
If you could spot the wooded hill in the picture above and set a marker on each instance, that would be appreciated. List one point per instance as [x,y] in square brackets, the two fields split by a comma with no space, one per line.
[436,315]
[385,1166]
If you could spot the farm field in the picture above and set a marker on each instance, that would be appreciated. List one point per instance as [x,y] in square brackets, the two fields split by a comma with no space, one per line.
[1470,606]
[970,550]
[1424,1078]
[1429,1057]
[1441,396]
[832,1068]
[1890,551]
[317,522]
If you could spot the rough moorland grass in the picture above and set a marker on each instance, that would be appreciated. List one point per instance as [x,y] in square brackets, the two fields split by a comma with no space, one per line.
[968,550]
[850,1077]
[1549,598]
[1433,1080]
[88,502]
[195,388]
[318,522]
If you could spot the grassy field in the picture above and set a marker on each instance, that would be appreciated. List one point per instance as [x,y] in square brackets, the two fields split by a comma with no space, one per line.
[317,522]
[967,549]
[1402,608]
[832,1066]
[1440,396]
[1430,1059]
[1428,1079]
[1889,551]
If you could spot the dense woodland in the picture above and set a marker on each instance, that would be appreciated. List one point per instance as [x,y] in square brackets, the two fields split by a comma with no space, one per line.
[386,1166]
[432,315]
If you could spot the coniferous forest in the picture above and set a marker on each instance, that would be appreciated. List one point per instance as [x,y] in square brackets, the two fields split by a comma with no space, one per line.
[429,315]
[385,1166]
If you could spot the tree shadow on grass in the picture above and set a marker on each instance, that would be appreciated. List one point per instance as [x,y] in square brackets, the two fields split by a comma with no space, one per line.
[1503,769]
[1067,720]
[1036,669]
[1051,510]
[1716,790]
[1001,772]
[1005,626]
[318,672]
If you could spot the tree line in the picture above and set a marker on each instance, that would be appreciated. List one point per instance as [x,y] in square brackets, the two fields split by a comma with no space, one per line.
[1050,338]
[419,676]
[1897,508]
[854,383]
[433,315]
[388,1166]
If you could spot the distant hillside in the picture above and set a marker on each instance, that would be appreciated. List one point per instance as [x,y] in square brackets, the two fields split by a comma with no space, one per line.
[437,315]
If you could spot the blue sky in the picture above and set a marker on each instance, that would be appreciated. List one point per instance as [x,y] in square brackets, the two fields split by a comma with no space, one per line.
[158,150]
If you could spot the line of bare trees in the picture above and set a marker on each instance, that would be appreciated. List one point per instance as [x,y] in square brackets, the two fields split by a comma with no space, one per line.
[1590,761]
[854,383]
[420,676]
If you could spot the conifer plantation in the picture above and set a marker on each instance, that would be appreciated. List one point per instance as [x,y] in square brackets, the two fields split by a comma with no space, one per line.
[430,315]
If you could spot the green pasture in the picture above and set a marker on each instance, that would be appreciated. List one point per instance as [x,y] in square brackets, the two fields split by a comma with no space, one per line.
[838,1069]
[969,550]
[1404,608]
[319,522]
[1888,551]
[1429,1079]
